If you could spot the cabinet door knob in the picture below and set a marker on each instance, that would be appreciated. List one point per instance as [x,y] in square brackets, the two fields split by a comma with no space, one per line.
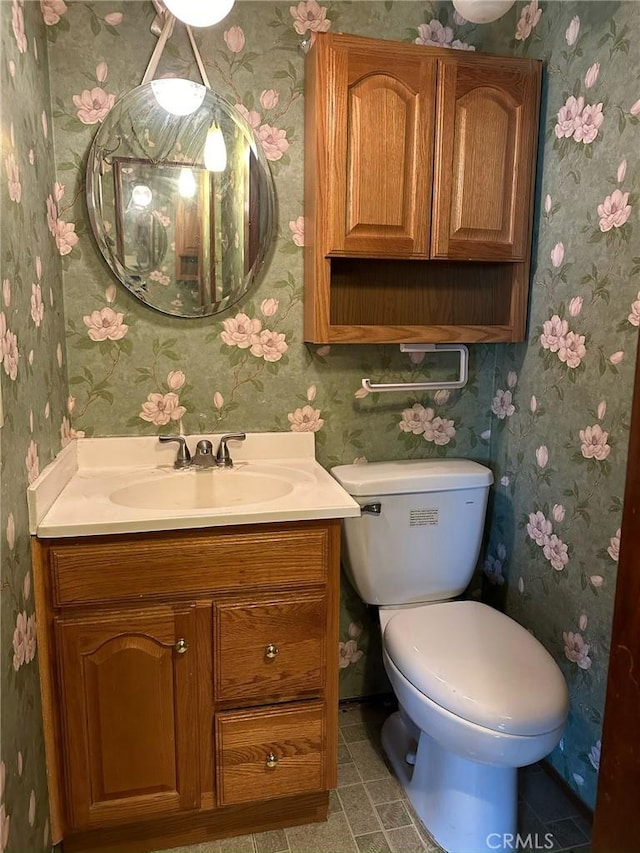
[271,651]
[181,646]
[272,761]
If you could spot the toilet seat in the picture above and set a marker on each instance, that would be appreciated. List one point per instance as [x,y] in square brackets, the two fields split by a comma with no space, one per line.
[479,664]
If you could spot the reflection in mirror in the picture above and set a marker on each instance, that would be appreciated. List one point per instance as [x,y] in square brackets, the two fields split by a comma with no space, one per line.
[180,198]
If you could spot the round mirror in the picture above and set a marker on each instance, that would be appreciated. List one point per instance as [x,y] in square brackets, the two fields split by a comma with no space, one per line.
[180,197]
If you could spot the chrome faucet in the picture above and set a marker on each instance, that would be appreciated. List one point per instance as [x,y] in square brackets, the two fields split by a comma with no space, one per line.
[223,457]
[183,458]
[203,456]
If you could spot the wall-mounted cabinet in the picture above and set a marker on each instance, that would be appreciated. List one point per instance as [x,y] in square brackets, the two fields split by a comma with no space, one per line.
[419,173]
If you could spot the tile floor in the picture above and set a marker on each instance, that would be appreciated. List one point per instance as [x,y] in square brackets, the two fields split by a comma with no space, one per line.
[369,814]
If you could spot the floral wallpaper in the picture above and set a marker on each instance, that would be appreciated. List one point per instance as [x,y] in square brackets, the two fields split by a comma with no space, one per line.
[34,391]
[550,416]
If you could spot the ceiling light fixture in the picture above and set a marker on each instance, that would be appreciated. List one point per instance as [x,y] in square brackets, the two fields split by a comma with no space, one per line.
[199,13]
[480,11]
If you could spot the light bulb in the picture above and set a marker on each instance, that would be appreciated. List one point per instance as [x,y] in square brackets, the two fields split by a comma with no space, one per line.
[177,96]
[141,195]
[482,11]
[215,151]
[186,183]
[198,13]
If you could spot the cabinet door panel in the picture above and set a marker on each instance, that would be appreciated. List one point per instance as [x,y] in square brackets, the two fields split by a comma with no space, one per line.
[382,154]
[485,158]
[129,701]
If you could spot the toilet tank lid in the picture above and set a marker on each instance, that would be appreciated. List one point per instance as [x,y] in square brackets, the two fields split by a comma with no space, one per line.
[408,476]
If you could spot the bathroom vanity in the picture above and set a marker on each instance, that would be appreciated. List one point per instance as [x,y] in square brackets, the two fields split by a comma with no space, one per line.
[189,676]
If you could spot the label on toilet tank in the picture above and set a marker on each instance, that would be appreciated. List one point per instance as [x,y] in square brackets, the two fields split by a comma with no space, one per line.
[422,517]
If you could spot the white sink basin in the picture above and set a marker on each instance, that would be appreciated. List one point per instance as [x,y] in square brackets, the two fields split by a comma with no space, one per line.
[210,488]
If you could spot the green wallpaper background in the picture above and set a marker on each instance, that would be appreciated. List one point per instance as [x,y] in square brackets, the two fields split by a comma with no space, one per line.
[550,416]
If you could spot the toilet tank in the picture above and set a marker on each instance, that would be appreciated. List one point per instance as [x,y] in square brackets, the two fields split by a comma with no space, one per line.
[424,543]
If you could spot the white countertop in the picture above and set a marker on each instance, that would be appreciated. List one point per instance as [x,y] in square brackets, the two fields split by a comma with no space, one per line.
[72,495]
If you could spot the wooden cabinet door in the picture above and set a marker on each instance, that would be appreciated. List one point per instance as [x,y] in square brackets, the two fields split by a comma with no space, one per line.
[487,119]
[381,106]
[129,707]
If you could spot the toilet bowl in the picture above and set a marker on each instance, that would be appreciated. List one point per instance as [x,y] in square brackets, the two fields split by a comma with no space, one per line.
[478,695]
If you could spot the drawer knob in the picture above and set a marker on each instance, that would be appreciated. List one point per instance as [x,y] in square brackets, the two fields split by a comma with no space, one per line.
[272,761]
[181,646]
[271,651]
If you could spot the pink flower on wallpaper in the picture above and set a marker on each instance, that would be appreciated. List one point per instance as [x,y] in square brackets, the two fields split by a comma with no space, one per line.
[556,552]
[13,177]
[52,11]
[11,531]
[614,546]
[415,419]
[634,109]
[269,307]
[440,431]
[539,528]
[558,512]
[568,116]
[594,755]
[456,44]
[602,409]
[348,653]
[68,433]
[37,306]
[45,124]
[240,331]
[311,393]
[269,99]
[557,255]
[575,306]
[102,71]
[105,325]
[30,639]
[10,352]
[218,400]
[176,379]
[5,820]
[434,34]
[269,345]
[52,215]
[305,419]
[614,211]
[572,349]
[20,641]
[596,581]
[297,230]
[594,443]
[502,405]
[529,18]
[32,461]
[274,142]
[492,570]
[93,105]
[622,171]
[592,75]
[159,409]
[588,123]
[542,456]
[252,117]
[113,18]
[573,31]
[66,237]
[6,292]
[616,357]
[32,808]
[309,15]
[17,21]
[634,316]
[553,333]
[576,650]
[234,39]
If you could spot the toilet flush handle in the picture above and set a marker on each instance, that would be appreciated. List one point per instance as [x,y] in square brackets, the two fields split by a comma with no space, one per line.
[373,509]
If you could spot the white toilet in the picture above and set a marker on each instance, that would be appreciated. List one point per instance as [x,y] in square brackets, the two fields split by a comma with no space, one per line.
[479,696]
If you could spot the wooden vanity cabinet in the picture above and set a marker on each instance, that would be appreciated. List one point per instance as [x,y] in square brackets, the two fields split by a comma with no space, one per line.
[419,173]
[189,682]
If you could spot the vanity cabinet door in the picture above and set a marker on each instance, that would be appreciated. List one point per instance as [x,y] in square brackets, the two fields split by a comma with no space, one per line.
[379,109]
[129,700]
[487,114]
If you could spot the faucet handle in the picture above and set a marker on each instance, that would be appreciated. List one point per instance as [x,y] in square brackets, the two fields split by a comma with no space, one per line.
[183,458]
[223,457]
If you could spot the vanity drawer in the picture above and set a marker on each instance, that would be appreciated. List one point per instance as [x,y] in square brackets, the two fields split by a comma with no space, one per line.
[271,650]
[110,568]
[261,755]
